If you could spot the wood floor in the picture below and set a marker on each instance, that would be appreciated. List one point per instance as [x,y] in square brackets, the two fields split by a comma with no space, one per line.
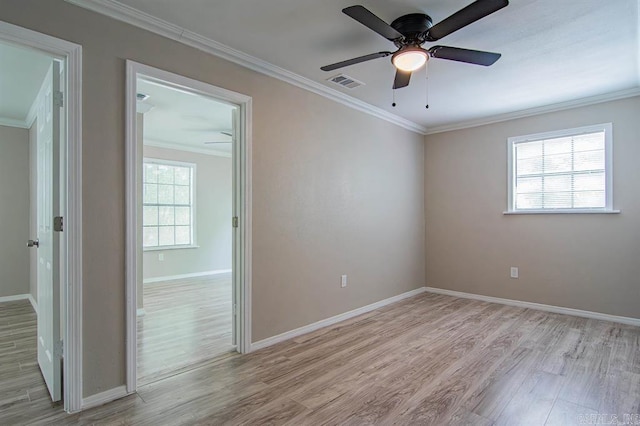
[21,384]
[428,360]
[186,322]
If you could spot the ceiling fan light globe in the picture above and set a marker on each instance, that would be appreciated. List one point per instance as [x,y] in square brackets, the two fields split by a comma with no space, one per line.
[409,59]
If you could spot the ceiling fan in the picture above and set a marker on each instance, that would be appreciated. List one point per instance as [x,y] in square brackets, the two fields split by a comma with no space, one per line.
[410,32]
[226,133]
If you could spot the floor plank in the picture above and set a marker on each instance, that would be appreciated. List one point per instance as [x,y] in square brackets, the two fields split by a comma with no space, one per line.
[431,359]
[23,393]
[186,322]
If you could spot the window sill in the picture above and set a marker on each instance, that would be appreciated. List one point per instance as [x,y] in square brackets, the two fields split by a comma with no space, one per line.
[161,248]
[562,211]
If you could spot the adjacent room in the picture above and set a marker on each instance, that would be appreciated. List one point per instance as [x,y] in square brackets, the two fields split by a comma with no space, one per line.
[185,289]
[418,212]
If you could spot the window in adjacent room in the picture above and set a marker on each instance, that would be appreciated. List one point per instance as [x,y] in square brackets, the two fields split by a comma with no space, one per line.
[566,171]
[168,204]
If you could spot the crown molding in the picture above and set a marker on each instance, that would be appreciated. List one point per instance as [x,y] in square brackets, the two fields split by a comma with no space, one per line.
[135,17]
[591,100]
[186,148]
[12,122]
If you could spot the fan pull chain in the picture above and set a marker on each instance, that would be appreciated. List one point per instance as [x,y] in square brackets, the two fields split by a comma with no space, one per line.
[393,96]
[426,90]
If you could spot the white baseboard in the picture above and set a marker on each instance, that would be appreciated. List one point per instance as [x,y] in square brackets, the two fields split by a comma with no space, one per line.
[28,297]
[332,320]
[33,303]
[538,306]
[104,397]
[140,312]
[14,298]
[183,276]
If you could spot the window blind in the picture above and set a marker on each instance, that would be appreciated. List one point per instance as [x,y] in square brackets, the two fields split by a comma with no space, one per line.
[565,172]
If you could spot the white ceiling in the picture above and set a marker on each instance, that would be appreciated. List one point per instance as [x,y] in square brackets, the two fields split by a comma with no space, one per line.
[186,120]
[552,51]
[21,74]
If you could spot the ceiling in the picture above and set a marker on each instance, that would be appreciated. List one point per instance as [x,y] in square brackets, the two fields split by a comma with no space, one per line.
[552,51]
[185,120]
[21,74]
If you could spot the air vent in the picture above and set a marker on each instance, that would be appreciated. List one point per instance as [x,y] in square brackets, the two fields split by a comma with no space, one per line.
[142,97]
[345,81]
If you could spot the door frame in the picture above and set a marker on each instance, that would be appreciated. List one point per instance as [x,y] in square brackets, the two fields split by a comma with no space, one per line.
[241,201]
[71,176]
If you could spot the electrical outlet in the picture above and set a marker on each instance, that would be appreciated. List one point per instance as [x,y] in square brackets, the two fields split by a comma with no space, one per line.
[161,257]
[343,283]
[514,272]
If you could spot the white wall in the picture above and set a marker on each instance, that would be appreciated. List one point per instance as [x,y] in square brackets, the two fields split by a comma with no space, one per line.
[14,211]
[213,232]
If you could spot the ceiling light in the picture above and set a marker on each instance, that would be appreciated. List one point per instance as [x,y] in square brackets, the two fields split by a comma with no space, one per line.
[409,58]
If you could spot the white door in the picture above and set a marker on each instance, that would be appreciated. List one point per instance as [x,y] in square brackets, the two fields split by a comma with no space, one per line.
[236,245]
[48,207]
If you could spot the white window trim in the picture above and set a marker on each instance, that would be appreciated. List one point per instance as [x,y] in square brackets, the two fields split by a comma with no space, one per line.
[608,160]
[193,166]
[162,248]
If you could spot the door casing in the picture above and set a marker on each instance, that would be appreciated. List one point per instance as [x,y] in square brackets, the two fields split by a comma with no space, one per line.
[70,261]
[241,202]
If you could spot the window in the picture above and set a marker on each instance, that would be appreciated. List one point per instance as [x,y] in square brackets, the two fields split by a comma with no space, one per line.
[168,204]
[567,171]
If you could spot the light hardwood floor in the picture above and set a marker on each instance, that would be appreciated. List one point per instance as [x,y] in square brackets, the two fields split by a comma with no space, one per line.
[431,359]
[21,384]
[186,322]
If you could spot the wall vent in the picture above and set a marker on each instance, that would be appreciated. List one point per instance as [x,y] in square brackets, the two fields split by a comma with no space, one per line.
[345,81]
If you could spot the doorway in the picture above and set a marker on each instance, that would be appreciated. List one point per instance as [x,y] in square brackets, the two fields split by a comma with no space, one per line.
[184,298]
[188,223]
[40,283]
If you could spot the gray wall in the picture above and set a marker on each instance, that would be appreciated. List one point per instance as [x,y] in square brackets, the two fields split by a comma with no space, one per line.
[213,191]
[14,211]
[582,261]
[335,191]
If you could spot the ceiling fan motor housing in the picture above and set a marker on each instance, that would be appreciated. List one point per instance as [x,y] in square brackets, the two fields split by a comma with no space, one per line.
[413,27]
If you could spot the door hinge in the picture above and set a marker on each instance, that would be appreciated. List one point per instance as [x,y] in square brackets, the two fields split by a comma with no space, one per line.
[58,348]
[235,309]
[58,224]
[58,99]
[235,221]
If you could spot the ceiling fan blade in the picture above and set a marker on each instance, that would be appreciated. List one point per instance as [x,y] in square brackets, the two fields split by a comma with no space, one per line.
[402,79]
[227,134]
[371,21]
[475,11]
[354,61]
[469,56]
